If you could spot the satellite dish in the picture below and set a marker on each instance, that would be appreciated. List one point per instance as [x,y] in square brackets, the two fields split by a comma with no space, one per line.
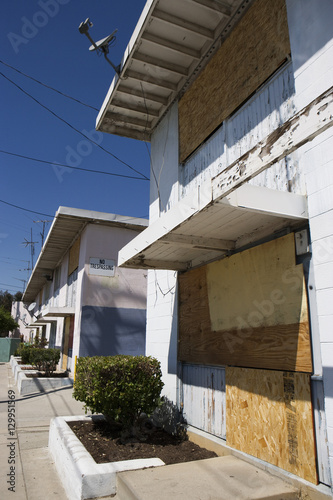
[102,46]
[32,306]
[104,42]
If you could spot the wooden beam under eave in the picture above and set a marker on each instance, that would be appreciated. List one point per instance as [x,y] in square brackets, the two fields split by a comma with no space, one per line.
[198,242]
[183,24]
[143,263]
[154,61]
[169,44]
[216,6]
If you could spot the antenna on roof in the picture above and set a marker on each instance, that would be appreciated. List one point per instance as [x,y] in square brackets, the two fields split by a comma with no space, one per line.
[102,46]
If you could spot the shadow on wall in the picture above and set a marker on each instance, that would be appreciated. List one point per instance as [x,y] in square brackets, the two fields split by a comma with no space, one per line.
[107,331]
[314,33]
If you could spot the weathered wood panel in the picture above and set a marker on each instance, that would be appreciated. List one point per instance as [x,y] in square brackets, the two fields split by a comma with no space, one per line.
[247,310]
[203,397]
[269,416]
[254,50]
[73,259]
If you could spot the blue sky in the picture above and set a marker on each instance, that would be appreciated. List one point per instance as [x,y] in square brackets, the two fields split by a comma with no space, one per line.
[41,39]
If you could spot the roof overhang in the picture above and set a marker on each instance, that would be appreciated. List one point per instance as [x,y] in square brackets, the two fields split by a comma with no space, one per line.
[67,226]
[169,47]
[197,231]
[50,313]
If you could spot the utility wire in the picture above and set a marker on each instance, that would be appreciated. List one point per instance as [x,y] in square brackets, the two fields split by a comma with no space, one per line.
[48,86]
[72,127]
[25,209]
[67,166]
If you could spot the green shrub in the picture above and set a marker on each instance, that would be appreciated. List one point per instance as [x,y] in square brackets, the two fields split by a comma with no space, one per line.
[120,387]
[45,360]
[24,351]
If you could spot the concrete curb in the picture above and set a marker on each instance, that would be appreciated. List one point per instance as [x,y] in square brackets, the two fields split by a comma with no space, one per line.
[81,477]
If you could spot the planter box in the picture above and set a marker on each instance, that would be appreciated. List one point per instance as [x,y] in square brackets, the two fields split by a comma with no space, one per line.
[27,385]
[80,475]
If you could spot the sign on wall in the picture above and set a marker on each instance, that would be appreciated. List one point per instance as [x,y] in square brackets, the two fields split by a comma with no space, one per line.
[101,267]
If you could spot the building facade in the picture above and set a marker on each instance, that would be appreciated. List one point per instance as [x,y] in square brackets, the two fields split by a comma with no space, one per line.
[78,298]
[236,99]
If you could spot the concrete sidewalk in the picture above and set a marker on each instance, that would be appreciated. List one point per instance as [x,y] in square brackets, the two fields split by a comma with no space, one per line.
[25,454]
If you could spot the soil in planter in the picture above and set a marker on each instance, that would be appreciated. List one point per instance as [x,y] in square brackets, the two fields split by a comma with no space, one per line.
[104,445]
[43,375]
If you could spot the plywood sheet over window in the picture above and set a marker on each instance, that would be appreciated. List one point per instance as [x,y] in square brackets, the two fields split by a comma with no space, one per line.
[247,310]
[73,258]
[255,49]
[269,416]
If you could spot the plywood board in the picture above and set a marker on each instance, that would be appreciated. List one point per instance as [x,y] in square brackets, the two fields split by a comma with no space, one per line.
[259,287]
[249,56]
[269,416]
[247,310]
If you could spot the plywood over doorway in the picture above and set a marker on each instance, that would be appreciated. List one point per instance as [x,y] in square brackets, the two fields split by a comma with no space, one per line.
[269,416]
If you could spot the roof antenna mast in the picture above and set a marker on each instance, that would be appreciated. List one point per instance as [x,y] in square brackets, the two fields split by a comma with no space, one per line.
[102,46]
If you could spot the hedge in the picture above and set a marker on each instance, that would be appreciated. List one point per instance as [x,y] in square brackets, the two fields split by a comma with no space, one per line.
[120,387]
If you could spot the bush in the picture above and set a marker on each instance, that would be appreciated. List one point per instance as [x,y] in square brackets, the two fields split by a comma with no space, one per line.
[120,387]
[42,359]
[45,360]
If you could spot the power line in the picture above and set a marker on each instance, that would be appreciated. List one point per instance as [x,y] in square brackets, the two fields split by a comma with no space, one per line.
[72,127]
[25,209]
[67,166]
[49,87]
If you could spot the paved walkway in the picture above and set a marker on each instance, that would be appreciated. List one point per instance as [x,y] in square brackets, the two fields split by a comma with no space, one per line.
[24,456]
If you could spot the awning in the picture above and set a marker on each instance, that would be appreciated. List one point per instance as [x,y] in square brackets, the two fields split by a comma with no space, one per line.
[168,48]
[67,225]
[56,312]
[198,230]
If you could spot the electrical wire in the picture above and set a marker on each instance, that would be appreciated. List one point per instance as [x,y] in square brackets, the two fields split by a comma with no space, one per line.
[72,127]
[49,87]
[67,166]
[25,209]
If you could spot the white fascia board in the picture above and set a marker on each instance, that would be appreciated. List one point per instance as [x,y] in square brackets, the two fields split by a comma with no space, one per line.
[91,215]
[143,19]
[268,201]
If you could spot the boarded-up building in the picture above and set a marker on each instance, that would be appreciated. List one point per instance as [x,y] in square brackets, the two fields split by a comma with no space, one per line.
[236,99]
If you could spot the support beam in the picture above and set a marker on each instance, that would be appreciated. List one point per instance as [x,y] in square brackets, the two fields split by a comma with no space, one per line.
[144,77]
[148,96]
[159,63]
[139,262]
[169,44]
[136,107]
[216,6]
[114,118]
[198,242]
[294,133]
[185,25]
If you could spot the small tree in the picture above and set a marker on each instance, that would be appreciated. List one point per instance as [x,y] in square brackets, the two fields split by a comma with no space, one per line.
[7,322]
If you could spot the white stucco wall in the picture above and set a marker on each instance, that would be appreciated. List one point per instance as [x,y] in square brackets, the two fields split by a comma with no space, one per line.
[311,39]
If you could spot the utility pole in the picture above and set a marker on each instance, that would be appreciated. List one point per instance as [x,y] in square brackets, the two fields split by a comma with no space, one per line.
[32,247]
[43,232]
